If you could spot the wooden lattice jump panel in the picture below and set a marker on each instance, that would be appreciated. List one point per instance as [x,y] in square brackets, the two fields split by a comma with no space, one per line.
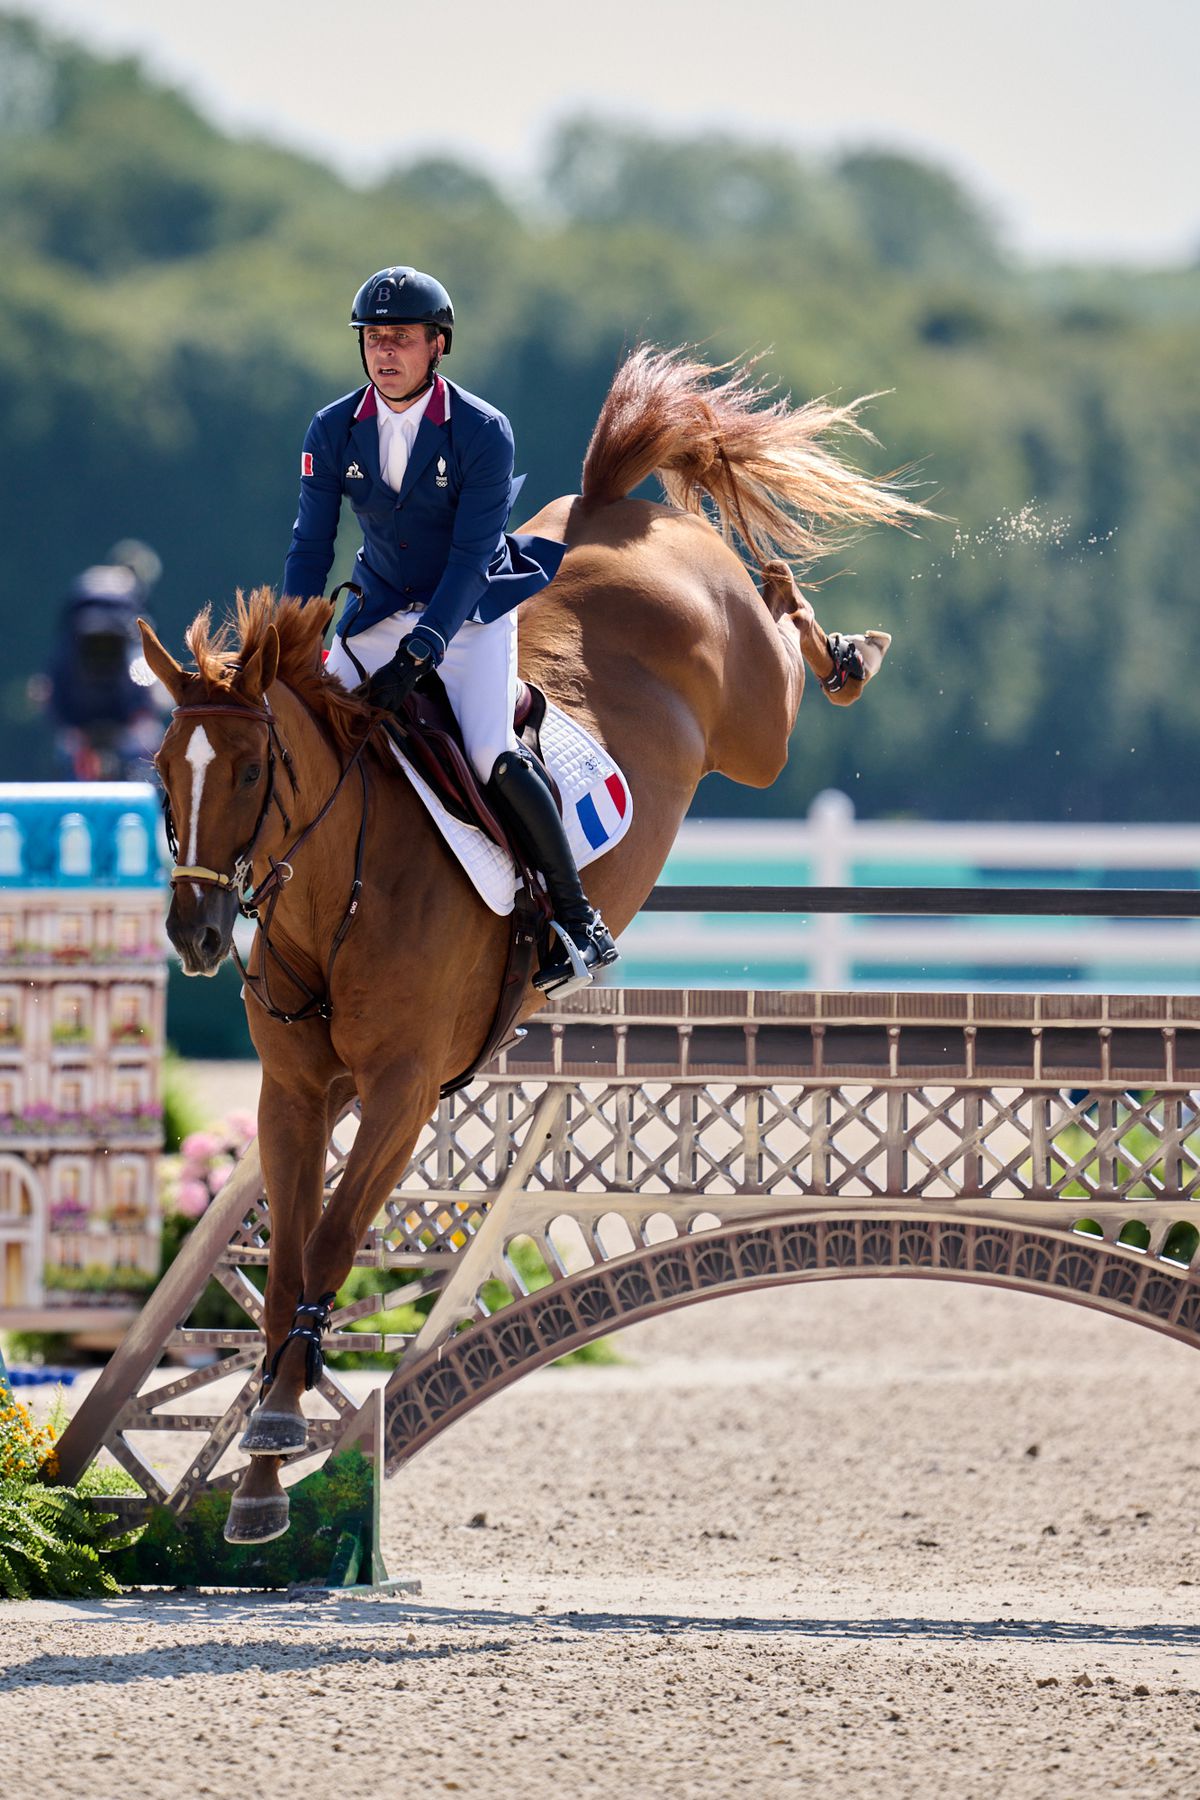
[644,1150]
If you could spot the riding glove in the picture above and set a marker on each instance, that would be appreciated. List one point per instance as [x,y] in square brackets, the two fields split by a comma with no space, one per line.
[416,654]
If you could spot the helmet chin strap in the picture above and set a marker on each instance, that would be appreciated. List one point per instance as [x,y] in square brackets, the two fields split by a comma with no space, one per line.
[412,393]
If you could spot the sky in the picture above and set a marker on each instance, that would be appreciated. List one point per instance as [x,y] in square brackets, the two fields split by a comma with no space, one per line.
[1074,121]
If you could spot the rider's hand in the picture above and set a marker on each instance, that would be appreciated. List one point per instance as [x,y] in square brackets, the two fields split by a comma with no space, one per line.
[391,685]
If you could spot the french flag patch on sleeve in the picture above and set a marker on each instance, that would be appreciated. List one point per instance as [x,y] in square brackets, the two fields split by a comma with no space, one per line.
[306,467]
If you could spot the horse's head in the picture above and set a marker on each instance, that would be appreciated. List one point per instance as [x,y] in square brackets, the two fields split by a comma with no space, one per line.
[216,764]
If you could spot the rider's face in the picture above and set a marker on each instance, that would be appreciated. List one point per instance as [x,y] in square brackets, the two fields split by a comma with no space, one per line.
[397,356]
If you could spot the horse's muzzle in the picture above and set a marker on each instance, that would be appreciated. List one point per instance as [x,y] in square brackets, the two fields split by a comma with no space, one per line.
[201,926]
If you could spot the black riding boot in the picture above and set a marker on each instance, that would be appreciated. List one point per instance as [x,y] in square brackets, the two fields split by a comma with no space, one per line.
[580,940]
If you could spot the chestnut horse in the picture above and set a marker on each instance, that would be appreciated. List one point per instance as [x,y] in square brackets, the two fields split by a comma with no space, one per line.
[652,634]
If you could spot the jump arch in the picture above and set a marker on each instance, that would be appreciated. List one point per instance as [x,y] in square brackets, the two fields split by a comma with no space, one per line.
[641,1151]
[455,1377]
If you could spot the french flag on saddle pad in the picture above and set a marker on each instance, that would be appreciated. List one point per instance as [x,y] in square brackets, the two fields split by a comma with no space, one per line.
[597,809]
[597,806]
[601,811]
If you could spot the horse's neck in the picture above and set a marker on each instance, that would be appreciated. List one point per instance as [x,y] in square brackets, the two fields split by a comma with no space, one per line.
[315,763]
[322,773]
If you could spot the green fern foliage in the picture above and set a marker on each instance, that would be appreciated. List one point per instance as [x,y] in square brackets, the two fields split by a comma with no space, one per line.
[53,1544]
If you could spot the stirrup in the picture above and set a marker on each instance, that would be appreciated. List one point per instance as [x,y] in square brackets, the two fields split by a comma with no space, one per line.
[579,974]
[557,983]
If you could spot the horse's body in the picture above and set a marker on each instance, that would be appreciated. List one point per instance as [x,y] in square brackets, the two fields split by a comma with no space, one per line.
[653,635]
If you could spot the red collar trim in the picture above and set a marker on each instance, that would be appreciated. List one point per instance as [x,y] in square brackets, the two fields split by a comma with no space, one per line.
[435,412]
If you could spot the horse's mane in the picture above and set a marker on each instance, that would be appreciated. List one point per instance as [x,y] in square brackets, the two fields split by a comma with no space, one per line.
[221,651]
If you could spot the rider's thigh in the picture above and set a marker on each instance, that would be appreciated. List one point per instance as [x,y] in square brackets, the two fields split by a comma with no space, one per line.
[480,677]
[370,648]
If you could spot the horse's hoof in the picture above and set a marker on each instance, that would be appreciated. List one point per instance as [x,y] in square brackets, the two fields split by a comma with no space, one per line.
[256,1521]
[274,1434]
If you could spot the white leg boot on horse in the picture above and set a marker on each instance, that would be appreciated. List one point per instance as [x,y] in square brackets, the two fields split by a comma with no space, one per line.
[376,966]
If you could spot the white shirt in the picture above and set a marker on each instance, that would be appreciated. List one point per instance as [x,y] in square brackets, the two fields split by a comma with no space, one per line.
[398,433]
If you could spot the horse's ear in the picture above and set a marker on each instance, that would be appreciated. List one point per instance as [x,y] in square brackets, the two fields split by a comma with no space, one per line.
[162,663]
[260,670]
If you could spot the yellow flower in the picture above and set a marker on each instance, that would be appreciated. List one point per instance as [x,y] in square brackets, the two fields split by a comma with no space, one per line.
[25,1447]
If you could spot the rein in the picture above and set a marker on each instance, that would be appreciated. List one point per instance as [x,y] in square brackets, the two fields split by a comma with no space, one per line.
[316,1006]
[251,901]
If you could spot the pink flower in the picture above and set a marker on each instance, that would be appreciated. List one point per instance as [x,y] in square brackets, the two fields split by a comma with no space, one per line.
[219,1174]
[242,1125]
[192,1199]
[200,1145]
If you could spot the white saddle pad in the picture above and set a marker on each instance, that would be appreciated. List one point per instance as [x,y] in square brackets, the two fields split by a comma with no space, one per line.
[597,809]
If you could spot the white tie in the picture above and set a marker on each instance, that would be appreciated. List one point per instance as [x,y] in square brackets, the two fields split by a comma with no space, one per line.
[397,459]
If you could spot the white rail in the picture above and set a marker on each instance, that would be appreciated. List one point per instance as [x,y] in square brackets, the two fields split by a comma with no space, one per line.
[832,848]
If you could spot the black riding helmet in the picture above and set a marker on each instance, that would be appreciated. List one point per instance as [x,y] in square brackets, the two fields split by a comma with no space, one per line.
[402,296]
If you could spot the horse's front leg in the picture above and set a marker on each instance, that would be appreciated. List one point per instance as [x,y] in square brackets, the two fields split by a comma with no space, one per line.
[293,1130]
[395,1105]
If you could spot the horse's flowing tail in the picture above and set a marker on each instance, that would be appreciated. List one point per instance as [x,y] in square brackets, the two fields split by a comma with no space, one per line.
[765,465]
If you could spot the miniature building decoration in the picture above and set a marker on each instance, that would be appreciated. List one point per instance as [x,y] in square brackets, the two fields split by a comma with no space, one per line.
[82,1020]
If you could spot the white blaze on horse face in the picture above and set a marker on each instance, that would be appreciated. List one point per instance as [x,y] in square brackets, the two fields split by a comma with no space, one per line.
[199,754]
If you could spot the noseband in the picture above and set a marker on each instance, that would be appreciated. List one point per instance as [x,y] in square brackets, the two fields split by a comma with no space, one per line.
[237,879]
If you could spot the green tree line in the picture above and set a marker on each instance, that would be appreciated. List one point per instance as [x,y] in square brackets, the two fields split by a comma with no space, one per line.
[172,310]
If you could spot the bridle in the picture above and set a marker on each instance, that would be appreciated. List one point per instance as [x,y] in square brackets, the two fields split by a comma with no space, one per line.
[259,903]
[237,879]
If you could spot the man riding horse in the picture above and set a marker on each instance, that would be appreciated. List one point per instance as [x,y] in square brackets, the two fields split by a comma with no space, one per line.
[652,636]
[428,469]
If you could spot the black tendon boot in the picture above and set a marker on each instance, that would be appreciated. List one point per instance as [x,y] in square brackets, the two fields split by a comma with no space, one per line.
[580,940]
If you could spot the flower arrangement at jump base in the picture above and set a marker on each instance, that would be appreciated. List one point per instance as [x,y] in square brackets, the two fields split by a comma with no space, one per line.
[51,1542]
[40,1119]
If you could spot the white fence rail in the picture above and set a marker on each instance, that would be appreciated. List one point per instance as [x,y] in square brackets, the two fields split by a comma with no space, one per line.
[831,848]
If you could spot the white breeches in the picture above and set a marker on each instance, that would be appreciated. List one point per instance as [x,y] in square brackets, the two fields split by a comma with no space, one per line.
[479,671]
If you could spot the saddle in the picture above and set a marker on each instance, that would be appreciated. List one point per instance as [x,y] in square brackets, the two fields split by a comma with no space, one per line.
[430,739]
[427,735]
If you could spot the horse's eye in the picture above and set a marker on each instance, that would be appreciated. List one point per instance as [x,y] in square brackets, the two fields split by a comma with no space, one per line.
[250,774]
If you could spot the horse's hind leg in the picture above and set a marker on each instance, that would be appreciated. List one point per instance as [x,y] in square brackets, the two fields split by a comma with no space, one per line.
[293,1131]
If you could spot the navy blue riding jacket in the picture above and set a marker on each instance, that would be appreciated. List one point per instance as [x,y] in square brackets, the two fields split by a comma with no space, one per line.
[439,545]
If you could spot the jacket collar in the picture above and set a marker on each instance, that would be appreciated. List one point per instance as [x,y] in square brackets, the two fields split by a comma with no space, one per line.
[432,434]
[437,412]
[364,434]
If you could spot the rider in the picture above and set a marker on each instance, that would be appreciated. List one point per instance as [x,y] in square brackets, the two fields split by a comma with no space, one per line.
[105,702]
[428,469]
